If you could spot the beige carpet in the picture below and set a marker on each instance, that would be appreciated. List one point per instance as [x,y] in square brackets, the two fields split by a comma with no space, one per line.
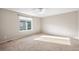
[41,42]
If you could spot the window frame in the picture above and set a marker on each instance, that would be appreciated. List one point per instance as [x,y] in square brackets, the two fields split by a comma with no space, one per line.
[28,19]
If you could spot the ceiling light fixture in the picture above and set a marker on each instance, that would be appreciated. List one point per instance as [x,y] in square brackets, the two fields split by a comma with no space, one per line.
[38,10]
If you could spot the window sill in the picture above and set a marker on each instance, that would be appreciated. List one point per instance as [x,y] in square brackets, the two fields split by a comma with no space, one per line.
[25,30]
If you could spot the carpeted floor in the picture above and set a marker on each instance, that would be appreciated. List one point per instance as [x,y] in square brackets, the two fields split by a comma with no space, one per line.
[41,42]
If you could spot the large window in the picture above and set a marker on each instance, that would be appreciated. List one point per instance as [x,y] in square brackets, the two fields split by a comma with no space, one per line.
[25,23]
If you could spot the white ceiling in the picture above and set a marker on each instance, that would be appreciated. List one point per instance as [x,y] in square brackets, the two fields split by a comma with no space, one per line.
[47,11]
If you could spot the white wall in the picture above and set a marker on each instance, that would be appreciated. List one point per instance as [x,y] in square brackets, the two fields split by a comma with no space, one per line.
[64,24]
[78,24]
[9,26]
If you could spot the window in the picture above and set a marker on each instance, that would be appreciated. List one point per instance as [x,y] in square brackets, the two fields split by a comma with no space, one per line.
[25,23]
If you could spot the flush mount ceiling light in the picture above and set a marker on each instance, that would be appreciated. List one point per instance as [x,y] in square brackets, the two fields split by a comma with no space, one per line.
[37,10]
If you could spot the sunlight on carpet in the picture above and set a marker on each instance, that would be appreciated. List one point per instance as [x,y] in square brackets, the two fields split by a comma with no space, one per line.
[54,39]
